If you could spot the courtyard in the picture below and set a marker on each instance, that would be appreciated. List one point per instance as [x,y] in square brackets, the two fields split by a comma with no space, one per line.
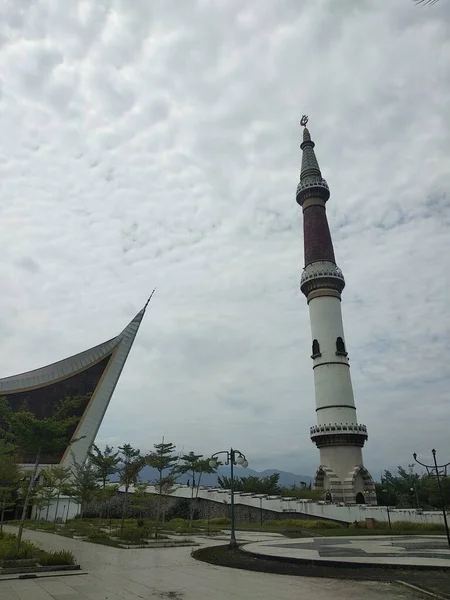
[171,573]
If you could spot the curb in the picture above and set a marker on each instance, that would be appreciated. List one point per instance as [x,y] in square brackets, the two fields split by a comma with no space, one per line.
[311,562]
[421,590]
[42,575]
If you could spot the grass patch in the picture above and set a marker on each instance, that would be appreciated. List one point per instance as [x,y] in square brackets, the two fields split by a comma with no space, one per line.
[29,550]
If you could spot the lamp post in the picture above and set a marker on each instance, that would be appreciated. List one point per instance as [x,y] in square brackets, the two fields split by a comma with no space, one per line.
[387,509]
[234,457]
[414,490]
[435,468]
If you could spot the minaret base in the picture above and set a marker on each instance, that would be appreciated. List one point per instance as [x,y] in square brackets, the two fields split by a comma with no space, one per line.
[357,487]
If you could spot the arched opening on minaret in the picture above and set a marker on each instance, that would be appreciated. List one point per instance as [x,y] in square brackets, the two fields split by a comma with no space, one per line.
[340,347]
[359,483]
[315,349]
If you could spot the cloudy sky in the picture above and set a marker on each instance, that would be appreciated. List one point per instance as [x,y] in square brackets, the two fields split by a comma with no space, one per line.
[156,144]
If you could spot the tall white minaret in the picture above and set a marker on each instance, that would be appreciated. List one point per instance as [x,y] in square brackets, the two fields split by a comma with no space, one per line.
[339,437]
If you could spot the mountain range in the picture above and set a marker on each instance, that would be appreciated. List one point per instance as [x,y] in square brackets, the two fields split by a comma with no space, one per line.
[286,479]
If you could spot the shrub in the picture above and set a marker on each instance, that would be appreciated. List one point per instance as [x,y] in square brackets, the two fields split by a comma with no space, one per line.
[220,521]
[301,524]
[400,526]
[135,535]
[8,549]
[177,522]
[62,557]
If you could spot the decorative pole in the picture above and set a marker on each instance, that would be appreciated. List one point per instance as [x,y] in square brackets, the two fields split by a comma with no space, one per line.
[234,457]
[435,468]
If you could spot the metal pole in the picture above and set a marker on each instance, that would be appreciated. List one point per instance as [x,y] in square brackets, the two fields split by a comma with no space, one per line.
[442,496]
[233,543]
[389,516]
[261,512]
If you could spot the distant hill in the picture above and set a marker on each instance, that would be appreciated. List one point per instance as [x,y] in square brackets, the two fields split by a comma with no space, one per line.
[286,479]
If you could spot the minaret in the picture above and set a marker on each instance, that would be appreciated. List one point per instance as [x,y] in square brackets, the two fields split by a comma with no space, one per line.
[337,434]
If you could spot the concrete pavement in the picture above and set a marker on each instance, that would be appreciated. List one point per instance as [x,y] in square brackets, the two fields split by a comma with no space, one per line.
[172,574]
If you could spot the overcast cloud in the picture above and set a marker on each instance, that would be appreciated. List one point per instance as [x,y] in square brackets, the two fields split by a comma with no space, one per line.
[156,144]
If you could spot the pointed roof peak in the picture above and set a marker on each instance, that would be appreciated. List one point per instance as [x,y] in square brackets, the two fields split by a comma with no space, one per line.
[306,135]
[149,298]
[311,180]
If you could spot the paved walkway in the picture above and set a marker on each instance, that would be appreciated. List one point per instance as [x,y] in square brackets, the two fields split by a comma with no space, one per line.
[172,574]
[396,550]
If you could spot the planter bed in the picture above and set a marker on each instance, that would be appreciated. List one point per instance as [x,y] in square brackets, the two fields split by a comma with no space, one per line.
[37,568]
[162,544]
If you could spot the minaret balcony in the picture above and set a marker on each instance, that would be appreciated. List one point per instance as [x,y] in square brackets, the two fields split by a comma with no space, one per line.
[321,274]
[315,187]
[339,434]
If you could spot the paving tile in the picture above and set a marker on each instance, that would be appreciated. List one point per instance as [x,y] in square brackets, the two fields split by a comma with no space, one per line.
[116,574]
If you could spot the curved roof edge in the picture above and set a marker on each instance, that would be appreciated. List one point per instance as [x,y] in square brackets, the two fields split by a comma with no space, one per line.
[68,366]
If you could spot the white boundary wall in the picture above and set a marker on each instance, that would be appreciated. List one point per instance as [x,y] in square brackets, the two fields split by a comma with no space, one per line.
[321,510]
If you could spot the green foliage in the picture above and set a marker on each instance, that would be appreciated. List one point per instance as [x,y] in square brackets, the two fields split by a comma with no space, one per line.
[61,557]
[105,463]
[83,485]
[292,524]
[164,460]
[257,485]
[224,521]
[179,510]
[10,475]
[302,493]
[34,435]
[195,465]
[141,501]
[130,464]
[407,489]
[9,552]
[400,526]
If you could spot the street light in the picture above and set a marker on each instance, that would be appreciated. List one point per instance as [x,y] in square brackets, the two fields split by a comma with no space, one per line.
[435,468]
[414,491]
[234,457]
[387,508]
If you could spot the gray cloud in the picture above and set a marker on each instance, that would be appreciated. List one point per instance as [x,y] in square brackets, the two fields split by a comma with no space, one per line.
[157,144]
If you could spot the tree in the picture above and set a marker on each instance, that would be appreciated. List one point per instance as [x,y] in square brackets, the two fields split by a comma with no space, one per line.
[105,462]
[141,500]
[256,485]
[47,488]
[10,476]
[195,465]
[164,460]
[61,479]
[407,489]
[83,483]
[129,467]
[36,436]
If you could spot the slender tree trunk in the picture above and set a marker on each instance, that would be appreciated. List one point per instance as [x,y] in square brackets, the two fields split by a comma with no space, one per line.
[48,509]
[159,506]
[124,506]
[68,506]
[57,506]
[3,513]
[26,500]
[191,504]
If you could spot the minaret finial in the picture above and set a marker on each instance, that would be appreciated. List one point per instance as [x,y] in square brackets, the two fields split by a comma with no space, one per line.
[304,120]
[149,298]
